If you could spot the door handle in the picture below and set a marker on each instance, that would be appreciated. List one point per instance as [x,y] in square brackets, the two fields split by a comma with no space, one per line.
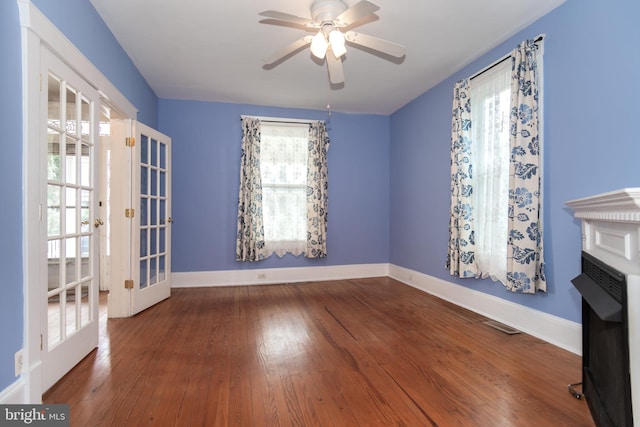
[170,220]
[97,223]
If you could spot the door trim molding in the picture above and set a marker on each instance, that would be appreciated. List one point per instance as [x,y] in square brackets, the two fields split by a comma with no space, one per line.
[38,32]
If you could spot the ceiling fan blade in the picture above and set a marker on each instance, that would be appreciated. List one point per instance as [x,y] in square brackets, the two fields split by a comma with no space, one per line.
[281,16]
[288,50]
[334,65]
[355,13]
[380,45]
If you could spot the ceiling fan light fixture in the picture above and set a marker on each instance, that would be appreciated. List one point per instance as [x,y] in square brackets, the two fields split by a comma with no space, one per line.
[336,40]
[319,45]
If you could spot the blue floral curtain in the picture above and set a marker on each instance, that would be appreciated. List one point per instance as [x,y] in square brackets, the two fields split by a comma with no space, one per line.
[250,235]
[461,258]
[525,265]
[317,191]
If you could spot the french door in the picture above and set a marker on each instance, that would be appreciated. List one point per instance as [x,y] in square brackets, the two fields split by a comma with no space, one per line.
[151,225]
[69,221]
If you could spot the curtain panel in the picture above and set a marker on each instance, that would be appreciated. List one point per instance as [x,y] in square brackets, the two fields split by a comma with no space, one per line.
[317,191]
[250,244]
[525,265]
[461,255]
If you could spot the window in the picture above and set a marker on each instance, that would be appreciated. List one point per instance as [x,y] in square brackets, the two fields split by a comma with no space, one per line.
[283,195]
[283,169]
[490,110]
[495,225]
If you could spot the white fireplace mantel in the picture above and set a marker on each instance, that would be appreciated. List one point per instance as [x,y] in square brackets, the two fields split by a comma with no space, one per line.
[611,233]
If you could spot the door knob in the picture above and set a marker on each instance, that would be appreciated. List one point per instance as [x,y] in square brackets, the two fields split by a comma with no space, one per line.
[97,223]
[170,220]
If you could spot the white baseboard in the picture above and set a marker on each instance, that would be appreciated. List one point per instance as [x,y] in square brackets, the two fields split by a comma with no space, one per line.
[552,329]
[14,394]
[269,276]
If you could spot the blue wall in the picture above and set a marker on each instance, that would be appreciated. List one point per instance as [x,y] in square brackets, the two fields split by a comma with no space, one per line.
[11,300]
[206,174]
[591,65]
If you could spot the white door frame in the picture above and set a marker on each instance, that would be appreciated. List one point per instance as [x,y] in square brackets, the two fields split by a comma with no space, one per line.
[38,31]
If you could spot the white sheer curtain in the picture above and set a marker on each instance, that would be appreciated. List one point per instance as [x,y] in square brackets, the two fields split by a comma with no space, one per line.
[490,97]
[283,158]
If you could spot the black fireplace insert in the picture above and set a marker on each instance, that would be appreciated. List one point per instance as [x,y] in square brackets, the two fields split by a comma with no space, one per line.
[606,383]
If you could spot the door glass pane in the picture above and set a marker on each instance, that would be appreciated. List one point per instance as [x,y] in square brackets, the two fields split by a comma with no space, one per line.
[70,309]
[54,214]
[72,115]
[154,182]
[85,128]
[163,211]
[53,264]
[85,211]
[54,172]
[54,309]
[85,266]
[144,211]
[154,153]
[153,274]
[161,269]
[153,247]
[144,149]
[85,165]
[154,212]
[85,309]
[70,212]
[70,163]
[143,243]
[143,274]
[53,102]
[70,261]
[144,180]
[163,184]
[163,155]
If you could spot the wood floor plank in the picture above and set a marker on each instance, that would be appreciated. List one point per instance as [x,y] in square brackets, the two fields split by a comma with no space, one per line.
[369,352]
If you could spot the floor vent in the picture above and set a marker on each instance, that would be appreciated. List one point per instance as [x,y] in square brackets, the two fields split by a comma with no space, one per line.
[501,327]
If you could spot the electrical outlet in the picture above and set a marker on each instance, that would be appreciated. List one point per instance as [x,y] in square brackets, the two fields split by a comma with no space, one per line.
[262,275]
[19,361]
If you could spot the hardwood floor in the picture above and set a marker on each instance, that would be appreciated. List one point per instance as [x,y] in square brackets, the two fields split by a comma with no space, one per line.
[366,352]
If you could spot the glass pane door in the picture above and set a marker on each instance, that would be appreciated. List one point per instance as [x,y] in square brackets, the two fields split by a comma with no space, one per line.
[152,239]
[70,328]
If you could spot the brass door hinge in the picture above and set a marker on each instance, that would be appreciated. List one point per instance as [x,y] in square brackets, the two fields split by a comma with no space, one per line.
[128,284]
[129,213]
[130,141]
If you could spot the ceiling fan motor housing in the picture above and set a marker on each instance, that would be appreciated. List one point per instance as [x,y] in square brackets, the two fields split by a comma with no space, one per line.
[325,11]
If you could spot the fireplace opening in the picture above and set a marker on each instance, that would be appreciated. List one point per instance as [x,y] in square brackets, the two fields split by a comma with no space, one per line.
[606,382]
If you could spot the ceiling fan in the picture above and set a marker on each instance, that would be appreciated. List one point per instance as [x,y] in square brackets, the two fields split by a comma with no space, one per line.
[332,22]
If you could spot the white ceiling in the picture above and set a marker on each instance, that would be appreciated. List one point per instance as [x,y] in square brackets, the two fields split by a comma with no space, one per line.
[212,50]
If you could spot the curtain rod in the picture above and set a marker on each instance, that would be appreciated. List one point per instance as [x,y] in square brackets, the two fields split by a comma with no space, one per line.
[501,60]
[280,120]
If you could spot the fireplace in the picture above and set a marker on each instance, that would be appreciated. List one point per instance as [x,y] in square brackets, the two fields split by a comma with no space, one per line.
[610,287]
[605,344]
